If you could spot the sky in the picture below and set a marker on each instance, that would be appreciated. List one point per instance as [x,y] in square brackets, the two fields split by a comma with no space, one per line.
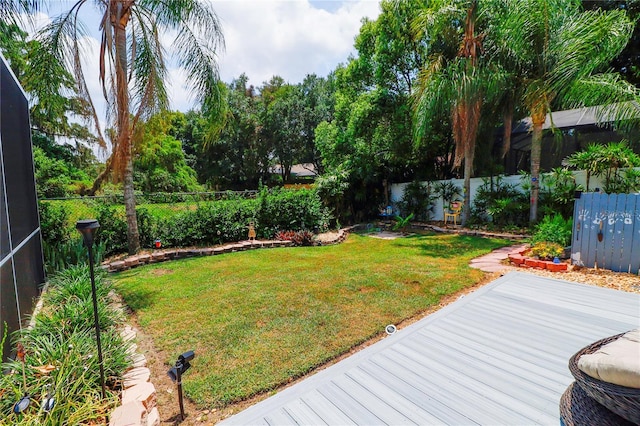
[263,38]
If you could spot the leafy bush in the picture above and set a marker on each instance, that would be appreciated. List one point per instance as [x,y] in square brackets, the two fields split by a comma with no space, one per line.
[60,250]
[53,223]
[546,250]
[113,228]
[557,192]
[298,238]
[296,209]
[502,202]
[210,223]
[553,229]
[402,222]
[448,191]
[417,200]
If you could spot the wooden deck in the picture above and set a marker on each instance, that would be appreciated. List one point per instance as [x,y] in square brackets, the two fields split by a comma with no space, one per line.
[496,356]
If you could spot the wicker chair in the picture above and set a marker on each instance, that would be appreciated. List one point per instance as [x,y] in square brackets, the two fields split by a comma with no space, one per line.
[622,400]
[577,409]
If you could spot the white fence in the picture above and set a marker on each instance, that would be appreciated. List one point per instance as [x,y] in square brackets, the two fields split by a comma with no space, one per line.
[397,189]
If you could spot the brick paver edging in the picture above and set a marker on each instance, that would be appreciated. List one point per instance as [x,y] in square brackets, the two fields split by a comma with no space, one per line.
[182,253]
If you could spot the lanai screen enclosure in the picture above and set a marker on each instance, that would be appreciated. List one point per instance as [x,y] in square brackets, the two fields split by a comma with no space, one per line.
[21,262]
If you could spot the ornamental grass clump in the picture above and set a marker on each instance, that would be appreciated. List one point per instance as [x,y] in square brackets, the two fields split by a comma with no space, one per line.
[61,356]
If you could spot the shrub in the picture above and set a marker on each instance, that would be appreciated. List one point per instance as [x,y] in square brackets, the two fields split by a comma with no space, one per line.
[546,250]
[212,222]
[298,238]
[296,209]
[502,202]
[553,229]
[417,200]
[53,223]
[113,228]
[557,192]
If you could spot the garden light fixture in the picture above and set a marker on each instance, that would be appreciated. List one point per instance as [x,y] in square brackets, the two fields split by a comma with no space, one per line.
[87,228]
[48,401]
[175,374]
[24,402]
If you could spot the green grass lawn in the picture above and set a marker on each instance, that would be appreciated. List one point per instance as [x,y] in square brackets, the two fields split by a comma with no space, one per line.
[257,319]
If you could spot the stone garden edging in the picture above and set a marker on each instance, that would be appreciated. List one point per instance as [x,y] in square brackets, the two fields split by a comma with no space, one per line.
[164,255]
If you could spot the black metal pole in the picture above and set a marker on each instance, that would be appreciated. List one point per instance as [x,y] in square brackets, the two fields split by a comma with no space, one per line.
[95,319]
[179,382]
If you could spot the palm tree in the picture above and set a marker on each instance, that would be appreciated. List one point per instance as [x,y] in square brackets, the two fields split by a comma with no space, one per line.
[459,85]
[559,52]
[133,69]
[10,10]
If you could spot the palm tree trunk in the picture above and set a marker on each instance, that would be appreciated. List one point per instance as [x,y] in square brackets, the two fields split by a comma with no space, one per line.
[124,127]
[468,171]
[507,119]
[536,149]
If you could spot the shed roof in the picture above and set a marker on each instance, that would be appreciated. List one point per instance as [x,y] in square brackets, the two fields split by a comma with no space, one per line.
[496,356]
[574,118]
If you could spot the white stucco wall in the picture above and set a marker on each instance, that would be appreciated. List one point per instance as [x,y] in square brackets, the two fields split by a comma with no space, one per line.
[397,189]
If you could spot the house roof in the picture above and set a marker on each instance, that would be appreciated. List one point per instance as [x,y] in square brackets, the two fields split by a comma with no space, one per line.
[496,356]
[298,170]
[575,117]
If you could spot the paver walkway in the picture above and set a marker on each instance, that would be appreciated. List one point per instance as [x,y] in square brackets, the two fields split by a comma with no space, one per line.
[492,262]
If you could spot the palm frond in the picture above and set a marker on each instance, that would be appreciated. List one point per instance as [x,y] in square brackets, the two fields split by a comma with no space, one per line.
[148,69]
[60,41]
[587,43]
[12,11]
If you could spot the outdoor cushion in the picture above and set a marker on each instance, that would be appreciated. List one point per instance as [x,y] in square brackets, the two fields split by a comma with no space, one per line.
[617,362]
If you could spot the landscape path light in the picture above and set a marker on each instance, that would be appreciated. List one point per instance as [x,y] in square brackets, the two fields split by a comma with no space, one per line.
[87,228]
[176,372]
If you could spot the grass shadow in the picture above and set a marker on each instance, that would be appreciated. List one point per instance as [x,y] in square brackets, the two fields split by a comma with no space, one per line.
[451,247]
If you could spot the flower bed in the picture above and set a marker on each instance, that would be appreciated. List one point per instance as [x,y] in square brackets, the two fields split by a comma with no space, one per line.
[520,258]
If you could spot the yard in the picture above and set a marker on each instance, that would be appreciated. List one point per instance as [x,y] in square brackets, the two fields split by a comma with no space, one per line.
[260,319]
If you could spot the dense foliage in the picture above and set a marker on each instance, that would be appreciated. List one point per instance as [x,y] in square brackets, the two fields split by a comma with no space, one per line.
[203,223]
[358,127]
[60,356]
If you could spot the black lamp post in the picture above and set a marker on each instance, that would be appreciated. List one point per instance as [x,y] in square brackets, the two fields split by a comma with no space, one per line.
[87,228]
[182,365]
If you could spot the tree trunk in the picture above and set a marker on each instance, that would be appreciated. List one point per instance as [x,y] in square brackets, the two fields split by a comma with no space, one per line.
[536,149]
[507,119]
[119,23]
[468,171]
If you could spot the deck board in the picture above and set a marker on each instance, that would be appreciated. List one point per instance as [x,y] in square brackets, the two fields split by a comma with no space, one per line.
[496,356]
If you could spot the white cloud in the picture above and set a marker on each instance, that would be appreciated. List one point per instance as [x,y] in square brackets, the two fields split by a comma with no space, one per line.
[288,38]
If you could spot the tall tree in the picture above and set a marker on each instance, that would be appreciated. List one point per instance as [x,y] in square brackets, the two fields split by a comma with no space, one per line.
[562,54]
[460,85]
[133,70]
